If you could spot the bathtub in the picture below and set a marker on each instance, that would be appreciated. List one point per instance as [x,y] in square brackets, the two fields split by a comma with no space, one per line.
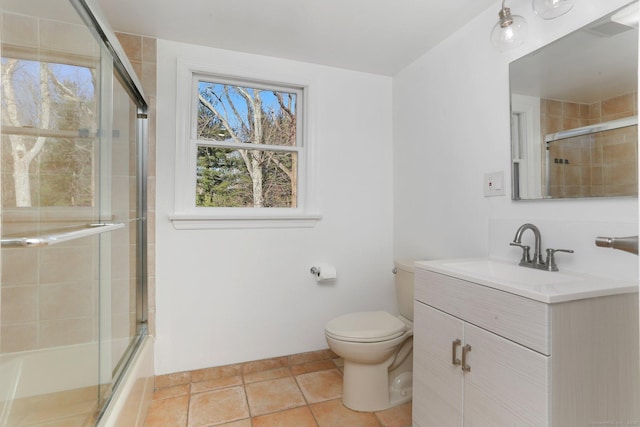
[36,383]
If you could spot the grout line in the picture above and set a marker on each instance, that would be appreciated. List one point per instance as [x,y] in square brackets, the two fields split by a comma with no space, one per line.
[295,378]
[186,423]
[246,397]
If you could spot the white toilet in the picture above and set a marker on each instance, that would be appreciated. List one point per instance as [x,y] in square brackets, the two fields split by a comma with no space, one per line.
[377,349]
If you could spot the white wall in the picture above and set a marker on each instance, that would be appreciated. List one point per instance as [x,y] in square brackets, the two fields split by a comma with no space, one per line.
[228,296]
[451,125]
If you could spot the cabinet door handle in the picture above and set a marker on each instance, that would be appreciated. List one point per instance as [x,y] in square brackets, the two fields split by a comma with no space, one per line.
[454,352]
[465,350]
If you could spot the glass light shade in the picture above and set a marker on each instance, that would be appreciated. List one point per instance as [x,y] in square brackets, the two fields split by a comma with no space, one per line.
[510,31]
[549,9]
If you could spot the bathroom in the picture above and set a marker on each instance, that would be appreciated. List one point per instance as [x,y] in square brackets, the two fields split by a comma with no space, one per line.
[220,295]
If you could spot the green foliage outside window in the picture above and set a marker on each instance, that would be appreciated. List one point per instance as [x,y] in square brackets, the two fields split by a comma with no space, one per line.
[253,177]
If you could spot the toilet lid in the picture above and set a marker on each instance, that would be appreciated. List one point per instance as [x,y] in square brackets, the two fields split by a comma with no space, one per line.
[367,326]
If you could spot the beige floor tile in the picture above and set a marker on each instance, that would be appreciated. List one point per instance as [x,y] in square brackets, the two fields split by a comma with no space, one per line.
[398,416]
[307,394]
[334,414]
[305,368]
[312,356]
[215,384]
[298,417]
[176,378]
[216,372]
[168,392]
[267,375]
[217,407]
[321,386]
[265,365]
[168,412]
[275,395]
[241,423]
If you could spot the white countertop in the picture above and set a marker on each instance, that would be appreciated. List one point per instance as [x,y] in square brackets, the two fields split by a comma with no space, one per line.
[540,285]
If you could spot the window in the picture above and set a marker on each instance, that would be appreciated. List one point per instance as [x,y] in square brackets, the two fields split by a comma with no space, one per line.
[243,156]
[248,142]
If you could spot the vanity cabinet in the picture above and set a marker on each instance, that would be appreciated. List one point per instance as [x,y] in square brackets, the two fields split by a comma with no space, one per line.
[527,362]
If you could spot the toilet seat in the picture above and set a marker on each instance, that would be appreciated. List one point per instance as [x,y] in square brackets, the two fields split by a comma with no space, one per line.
[367,326]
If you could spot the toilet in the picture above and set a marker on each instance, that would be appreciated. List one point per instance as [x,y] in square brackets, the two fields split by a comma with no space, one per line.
[377,348]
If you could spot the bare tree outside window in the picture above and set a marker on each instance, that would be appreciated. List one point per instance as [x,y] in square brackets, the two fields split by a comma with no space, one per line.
[46,159]
[264,174]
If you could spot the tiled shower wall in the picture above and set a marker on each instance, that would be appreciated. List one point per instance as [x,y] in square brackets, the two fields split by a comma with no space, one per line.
[591,165]
[44,303]
[50,295]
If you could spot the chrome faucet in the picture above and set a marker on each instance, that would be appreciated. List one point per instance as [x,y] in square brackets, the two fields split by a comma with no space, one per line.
[517,241]
[538,260]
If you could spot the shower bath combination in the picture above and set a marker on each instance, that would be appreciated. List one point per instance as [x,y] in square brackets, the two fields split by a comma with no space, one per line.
[73,214]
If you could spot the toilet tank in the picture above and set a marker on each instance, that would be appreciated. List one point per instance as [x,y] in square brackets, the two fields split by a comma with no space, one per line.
[404,287]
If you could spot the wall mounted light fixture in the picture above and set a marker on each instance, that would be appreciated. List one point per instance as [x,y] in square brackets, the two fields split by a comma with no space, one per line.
[510,31]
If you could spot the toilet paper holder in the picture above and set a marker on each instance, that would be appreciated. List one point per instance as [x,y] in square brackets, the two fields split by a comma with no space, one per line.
[324,273]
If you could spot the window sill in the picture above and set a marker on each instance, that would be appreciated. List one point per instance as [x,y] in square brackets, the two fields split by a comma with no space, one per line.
[211,222]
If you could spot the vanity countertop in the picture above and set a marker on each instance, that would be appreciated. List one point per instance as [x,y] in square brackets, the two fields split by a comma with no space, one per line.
[540,285]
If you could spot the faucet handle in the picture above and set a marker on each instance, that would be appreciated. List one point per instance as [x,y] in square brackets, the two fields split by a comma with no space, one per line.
[550,251]
[526,257]
[551,260]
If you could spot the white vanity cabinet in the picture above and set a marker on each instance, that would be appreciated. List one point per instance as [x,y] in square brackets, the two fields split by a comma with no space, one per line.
[527,362]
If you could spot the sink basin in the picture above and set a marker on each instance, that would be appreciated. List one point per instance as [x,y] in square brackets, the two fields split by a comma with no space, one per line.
[497,271]
[540,285]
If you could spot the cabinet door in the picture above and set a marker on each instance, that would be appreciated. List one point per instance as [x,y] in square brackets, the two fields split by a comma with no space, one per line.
[508,384]
[437,382]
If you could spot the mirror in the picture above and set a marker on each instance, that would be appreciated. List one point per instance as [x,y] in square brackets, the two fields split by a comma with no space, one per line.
[574,113]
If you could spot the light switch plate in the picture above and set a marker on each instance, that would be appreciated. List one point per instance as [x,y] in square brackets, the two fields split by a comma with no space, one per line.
[494,184]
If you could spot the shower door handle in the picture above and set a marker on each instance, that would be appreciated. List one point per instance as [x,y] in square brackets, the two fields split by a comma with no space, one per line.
[60,235]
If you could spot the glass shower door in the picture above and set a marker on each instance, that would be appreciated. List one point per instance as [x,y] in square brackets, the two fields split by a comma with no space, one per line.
[121,254]
[49,179]
[71,263]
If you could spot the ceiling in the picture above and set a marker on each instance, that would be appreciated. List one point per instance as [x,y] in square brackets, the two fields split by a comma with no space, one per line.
[375,36]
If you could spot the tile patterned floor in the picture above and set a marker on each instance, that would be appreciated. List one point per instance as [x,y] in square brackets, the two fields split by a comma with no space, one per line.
[296,391]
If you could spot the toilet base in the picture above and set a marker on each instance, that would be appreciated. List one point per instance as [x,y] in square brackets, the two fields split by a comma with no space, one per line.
[370,388]
[401,389]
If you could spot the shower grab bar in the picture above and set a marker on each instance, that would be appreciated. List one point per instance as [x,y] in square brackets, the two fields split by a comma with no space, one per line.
[60,235]
[586,130]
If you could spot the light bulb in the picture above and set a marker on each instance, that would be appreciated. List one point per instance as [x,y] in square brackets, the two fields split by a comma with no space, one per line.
[549,9]
[510,31]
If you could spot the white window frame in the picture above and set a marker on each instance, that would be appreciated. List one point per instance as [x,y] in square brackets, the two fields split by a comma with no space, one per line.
[186,214]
